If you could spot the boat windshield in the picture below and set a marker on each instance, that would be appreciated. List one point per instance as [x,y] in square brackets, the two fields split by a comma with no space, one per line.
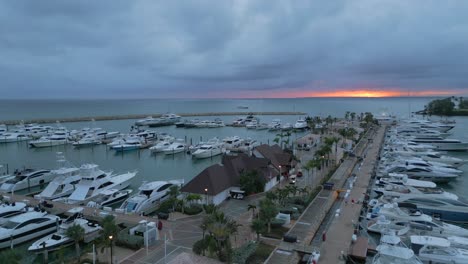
[130,206]
[9,225]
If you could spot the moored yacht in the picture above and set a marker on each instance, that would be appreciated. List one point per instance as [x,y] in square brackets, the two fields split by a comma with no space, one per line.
[25,227]
[392,251]
[60,239]
[94,181]
[88,140]
[13,137]
[437,250]
[177,147]
[8,210]
[231,143]
[130,144]
[27,178]
[209,149]
[109,197]
[149,197]
[439,208]
[300,124]
[275,125]
[60,137]
[63,184]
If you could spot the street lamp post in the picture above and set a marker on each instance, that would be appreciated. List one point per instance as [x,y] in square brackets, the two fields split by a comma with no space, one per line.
[112,260]
[206,195]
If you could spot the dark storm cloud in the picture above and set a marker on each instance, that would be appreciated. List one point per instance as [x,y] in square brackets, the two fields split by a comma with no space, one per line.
[167,48]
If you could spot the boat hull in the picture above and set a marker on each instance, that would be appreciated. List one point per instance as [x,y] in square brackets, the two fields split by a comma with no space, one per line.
[44,144]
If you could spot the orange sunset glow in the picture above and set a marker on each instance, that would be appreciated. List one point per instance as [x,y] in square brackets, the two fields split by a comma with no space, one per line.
[366,93]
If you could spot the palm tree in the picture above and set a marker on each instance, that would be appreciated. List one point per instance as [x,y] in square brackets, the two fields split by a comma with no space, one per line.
[174,192]
[258,226]
[268,211]
[353,116]
[193,197]
[109,229]
[346,117]
[253,208]
[76,233]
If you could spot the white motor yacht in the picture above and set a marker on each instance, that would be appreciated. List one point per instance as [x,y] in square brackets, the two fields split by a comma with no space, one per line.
[392,251]
[60,137]
[8,210]
[248,145]
[60,239]
[88,140]
[437,250]
[109,198]
[94,181]
[440,208]
[63,184]
[252,124]
[161,145]
[132,143]
[403,179]
[420,173]
[13,137]
[393,211]
[287,127]
[300,124]
[262,126]
[25,227]
[443,143]
[149,197]
[395,190]
[209,149]
[275,125]
[26,179]
[177,147]
[145,121]
[231,143]
[433,227]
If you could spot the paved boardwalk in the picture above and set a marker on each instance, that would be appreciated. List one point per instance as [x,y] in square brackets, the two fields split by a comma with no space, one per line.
[338,238]
[306,227]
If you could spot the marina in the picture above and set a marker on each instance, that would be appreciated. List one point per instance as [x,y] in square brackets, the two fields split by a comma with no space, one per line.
[169,155]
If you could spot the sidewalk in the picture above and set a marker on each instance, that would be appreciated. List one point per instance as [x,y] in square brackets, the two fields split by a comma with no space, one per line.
[338,236]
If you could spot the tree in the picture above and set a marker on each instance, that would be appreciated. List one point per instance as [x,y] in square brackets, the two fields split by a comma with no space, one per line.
[191,197]
[441,107]
[173,193]
[268,211]
[253,208]
[258,226]
[252,182]
[77,234]
[10,256]
[346,117]
[353,116]
[219,228]
[109,228]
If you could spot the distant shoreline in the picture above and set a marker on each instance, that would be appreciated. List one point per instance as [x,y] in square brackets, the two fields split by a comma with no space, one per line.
[136,116]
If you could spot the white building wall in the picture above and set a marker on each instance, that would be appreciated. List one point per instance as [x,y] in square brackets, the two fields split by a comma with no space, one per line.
[220,197]
[270,184]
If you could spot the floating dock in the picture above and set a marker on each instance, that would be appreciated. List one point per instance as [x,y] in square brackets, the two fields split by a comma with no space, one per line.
[137,116]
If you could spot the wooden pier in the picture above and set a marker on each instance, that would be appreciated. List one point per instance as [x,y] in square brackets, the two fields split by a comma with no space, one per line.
[137,116]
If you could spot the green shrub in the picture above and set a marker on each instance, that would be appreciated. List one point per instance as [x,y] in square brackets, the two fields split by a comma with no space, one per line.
[199,246]
[277,223]
[193,209]
[165,207]
[240,255]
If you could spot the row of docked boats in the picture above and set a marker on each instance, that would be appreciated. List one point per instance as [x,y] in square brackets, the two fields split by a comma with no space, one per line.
[418,221]
[20,223]
[89,186]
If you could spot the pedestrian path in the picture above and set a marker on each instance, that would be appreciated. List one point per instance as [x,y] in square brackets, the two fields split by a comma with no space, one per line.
[339,234]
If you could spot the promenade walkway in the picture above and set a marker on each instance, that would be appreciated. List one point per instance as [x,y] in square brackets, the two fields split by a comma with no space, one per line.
[306,227]
[339,233]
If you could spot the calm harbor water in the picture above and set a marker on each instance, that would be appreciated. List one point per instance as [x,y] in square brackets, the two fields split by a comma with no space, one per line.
[181,166]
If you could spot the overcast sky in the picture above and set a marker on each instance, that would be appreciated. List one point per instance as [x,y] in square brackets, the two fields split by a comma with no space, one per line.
[221,48]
